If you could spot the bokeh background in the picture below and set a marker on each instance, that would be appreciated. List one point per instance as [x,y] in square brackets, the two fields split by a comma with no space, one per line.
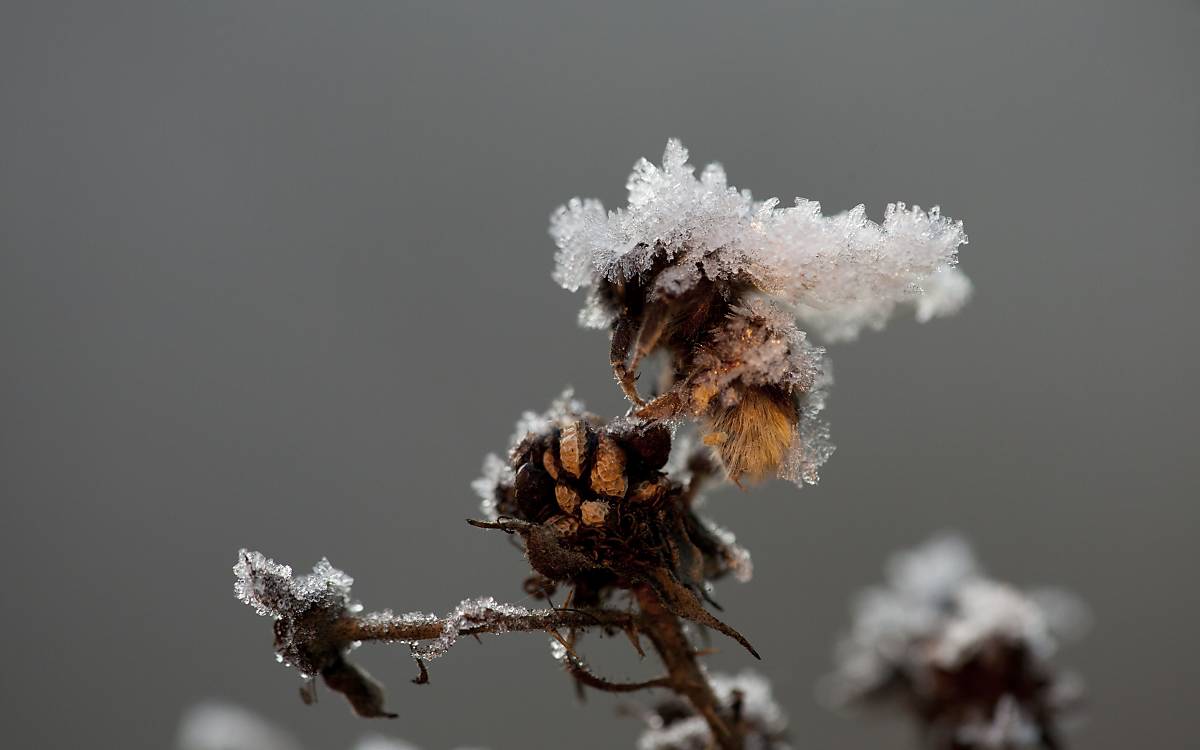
[276,274]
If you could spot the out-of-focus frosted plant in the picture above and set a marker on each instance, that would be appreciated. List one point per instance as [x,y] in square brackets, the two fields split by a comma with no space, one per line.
[968,656]
[223,726]
[672,724]
[718,286]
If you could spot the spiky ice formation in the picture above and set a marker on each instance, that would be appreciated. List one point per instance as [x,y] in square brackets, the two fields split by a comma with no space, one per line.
[838,273]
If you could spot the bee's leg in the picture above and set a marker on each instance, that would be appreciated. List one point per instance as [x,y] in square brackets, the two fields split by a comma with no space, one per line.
[654,323]
[665,406]
[622,342]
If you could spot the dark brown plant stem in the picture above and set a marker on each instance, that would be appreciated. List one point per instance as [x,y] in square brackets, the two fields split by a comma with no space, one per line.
[686,678]
[360,628]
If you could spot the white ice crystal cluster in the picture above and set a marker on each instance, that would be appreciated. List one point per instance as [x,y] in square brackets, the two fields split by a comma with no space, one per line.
[305,609]
[272,590]
[936,614]
[839,274]
[470,611]
[763,720]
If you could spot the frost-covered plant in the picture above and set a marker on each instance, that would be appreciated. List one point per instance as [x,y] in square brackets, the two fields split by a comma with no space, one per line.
[967,655]
[672,724]
[222,726]
[605,509]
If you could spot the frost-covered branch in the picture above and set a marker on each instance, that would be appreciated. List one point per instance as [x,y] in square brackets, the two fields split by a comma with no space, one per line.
[317,625]
[475,617]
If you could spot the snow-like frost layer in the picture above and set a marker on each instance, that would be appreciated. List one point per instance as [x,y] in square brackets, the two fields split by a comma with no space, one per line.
[839,274]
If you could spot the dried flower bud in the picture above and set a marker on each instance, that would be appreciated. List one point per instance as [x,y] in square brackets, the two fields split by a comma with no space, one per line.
[594,512]
[572,447]
[568,499]
[608,473]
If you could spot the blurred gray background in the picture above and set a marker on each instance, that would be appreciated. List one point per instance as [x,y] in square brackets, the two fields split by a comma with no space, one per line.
[276,274]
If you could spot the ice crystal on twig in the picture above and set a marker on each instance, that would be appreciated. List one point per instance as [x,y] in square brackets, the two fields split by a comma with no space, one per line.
[468,612]
[969,655]
[317,625]
[307,611]
[673,725]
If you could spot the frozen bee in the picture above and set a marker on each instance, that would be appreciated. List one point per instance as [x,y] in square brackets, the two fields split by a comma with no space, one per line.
[696,269]
[733,361]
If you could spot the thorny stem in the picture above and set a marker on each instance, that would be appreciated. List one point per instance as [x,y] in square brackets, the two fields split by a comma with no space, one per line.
[358,628]
[684,674]
[664,630]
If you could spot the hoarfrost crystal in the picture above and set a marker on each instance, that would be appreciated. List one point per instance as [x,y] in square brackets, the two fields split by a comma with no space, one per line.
[271,590]
[469,611]
[839,273]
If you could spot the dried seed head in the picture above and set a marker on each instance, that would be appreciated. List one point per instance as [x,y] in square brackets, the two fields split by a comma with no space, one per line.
[565,525]
[651,443]
[648,491]
[594,512]
[608,473]
[572,448]
[568,499]
[550,463]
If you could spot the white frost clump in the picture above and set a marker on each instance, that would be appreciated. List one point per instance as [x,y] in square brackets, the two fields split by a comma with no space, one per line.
[919,637]
[220,726]
[839,274]
[938,596]
[764,722]
[271,590]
